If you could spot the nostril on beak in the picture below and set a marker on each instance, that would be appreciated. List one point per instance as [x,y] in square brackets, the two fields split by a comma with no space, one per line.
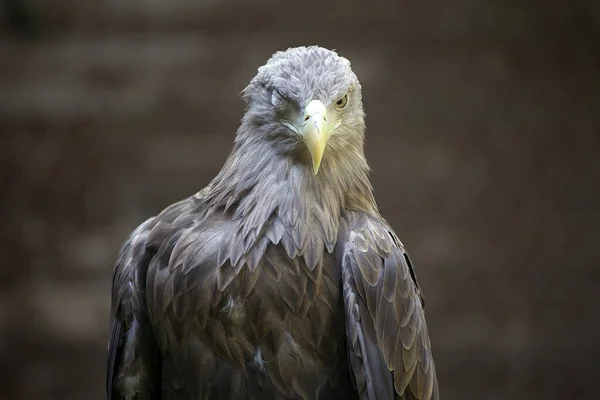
[307,117]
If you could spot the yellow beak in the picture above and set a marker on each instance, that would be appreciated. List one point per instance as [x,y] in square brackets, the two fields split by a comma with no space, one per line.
[315,131]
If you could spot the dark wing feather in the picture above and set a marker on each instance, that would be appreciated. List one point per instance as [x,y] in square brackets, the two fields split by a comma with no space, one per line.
[134,360]
[132,365]
[114,347]
[388,344]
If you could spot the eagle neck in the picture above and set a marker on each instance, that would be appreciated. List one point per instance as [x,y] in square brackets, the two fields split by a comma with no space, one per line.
[277,196]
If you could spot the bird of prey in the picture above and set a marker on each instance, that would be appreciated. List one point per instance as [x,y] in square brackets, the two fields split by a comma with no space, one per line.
[280,279]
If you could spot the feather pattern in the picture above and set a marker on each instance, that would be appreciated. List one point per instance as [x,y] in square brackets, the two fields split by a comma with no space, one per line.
[385,318]
[273,282]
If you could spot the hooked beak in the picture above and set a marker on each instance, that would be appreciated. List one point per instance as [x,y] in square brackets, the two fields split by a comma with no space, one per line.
[315,131]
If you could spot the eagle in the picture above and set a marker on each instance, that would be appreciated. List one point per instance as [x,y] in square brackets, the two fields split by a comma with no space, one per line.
[280,279]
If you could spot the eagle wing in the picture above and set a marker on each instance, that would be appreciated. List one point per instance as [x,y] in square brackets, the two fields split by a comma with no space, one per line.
[132,356]
[388,344]
[133,368]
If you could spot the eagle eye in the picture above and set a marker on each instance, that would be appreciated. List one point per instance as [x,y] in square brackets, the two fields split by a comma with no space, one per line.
[341,103]
[278,100]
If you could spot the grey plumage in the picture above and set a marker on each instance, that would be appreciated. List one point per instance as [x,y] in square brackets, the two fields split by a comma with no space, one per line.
[280,279]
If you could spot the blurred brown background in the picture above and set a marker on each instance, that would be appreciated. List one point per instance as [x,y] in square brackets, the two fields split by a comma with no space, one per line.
[483,134]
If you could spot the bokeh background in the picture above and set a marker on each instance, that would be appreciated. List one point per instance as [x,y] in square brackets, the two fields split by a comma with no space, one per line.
[483,135]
